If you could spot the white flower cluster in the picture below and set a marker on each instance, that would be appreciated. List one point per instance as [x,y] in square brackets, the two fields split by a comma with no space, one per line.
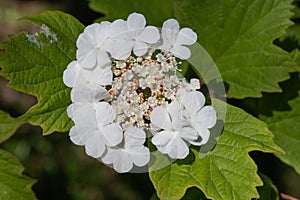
[119,96]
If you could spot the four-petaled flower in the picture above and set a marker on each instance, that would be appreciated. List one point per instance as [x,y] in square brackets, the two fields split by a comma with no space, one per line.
[87,85]
[172,140]
[92,46]
[175,40]
[132,152]
[200,117]
[131,35]
[94,127]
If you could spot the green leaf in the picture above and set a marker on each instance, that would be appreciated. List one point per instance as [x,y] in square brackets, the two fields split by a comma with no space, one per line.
[238,34]
[34,64]
[155,11]
[14,185]
[286,125]
[296,58]
[268,190]
[227,172]
[281,112]
[292,32]
[8,126]
[279,101]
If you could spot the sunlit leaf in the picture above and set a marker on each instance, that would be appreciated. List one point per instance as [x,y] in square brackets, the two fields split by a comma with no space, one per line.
[34,64]
[8,126]
[238,34]
[227,172]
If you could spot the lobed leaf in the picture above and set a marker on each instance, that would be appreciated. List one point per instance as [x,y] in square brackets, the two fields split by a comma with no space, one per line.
[8,126]
[268,190]
[285,125]
[34,64]
[14,185]
[227,172]
[238,34]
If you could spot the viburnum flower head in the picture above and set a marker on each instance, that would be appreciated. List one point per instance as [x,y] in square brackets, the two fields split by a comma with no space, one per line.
[126,87]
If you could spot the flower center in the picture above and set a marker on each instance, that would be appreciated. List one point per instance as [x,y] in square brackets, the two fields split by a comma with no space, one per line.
[140,84]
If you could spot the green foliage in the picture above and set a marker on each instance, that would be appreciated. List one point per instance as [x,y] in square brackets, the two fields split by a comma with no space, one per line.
[156,11]
[285,126]
[35,63]
[268,190]
[238,35]
[227,172]
[13,185]
[8,126]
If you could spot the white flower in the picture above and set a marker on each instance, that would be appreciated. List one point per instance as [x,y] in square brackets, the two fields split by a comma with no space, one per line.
[199,116]
[172,140]
[87,84]
[92,46]
[116,95]
[133,152]
[131,34]
[175,40]
[94,128]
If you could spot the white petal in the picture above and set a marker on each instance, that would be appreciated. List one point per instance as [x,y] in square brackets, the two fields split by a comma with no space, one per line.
[70,74]
[134,137]
[136,21]
[85,121]
[91,46]
[117,28]
[80,94]
[105,113]
[106,76]
[160,117]
[84,94]
[169,33]
[204,133]
[188,133]
[113,134]
[176,115]
[171,24]
[103,59]
[140,48]
[75,136]
[193,101]
[149,35]
[207,117]
[88,43]
[95,146]
[110,156]
[96,33]
[86,57]
[92,78]
[140,155]
[186,37]
[162,139]
[179,149]
[121,49]
[123,163]
[181,52]
[100,93]
[84,114]
[70,111]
